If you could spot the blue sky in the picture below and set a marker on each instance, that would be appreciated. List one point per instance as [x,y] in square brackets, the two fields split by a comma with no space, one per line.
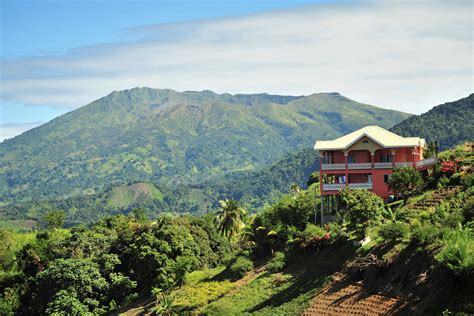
[38,28]
[59,55]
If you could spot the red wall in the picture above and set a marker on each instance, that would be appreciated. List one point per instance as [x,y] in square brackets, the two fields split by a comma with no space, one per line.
[358,176]
[361,156]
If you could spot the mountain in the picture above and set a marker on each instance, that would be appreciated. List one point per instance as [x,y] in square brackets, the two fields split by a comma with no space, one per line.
[172,138]
[450,123]
[254,189]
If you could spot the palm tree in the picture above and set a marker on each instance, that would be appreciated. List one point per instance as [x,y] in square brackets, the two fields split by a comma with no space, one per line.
[230,218]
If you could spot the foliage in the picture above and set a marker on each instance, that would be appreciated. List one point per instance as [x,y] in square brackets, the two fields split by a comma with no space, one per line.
[277,263]
[54,219]
[449,124]
[164,303]
[394,231]
[406,182]
[240,266]
[362,208]
[426,234]
[457,251]
[230,218]
[253,189]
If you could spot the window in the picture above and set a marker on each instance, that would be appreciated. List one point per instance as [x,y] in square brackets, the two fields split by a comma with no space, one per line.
[365,142]
[386,178]
[351,159]
[328,158]
[386,158]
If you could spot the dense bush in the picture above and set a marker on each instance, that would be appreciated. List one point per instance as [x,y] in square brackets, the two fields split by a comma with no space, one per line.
[406,182]
[241,266]
[426,234]
[361,209]
[277,263]
[457,252]
[95,270]
[394,231]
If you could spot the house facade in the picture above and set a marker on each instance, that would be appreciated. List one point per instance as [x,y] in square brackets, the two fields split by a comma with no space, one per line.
[366,158]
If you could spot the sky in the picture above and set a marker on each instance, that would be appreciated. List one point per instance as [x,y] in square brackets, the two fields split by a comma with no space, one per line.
[56,56]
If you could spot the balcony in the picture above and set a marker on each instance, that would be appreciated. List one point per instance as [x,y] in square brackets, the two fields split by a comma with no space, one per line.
[378,165]
[333,166]
[426,162]
[383,165]
[341,186]
[365,165]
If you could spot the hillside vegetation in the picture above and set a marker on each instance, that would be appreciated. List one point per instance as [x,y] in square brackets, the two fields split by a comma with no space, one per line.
[254,189]
[420,257]
[171,138]
[450,124]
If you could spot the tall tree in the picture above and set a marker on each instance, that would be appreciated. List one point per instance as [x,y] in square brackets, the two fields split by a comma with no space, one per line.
[230,218]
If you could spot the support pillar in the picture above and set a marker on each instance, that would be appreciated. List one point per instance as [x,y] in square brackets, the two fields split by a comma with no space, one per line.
[346,170]
[322,209]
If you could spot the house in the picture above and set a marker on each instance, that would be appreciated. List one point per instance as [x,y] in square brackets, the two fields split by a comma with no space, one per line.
[365,159]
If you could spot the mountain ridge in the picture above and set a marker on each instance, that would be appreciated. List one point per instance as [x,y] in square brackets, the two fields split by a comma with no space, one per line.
[165,136]
[450,123]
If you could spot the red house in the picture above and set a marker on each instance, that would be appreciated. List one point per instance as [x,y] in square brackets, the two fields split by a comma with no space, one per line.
[365,159]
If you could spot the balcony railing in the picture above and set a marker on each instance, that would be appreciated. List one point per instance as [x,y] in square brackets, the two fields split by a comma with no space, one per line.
[365,165]
[378,165]
[333,186]
[426,162]
[367,185]
[403,164]
[333,166]
[341,186]
[383,165]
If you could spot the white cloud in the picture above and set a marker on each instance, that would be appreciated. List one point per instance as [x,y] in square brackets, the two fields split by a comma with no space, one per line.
[10,130]
[407,55]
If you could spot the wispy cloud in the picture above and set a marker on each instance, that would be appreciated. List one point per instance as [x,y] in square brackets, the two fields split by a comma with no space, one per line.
[10,130]
[408,55]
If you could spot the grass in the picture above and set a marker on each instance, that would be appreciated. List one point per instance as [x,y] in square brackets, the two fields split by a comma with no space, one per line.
[199,289]
[286,293]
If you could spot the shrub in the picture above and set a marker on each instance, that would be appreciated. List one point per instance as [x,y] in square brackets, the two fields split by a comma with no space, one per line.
[362,207]
[394,231]
[241,266]
[277,263]
[426,234]
[455,179]
[468,209]
[313,231]
[406,182]
[457,252]
[468,180]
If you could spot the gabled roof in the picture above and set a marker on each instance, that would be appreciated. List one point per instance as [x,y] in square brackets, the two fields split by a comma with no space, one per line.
[378,134]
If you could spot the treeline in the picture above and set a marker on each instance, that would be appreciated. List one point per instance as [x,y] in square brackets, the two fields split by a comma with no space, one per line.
[450,123]
[85,271]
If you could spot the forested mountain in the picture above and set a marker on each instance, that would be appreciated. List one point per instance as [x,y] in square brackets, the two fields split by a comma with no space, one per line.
[450,123]
[253,189]
[171,138]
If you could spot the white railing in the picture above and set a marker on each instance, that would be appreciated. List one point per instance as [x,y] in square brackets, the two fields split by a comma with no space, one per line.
[333,186]
[366,165]
[426,162]
[367,185]
[333,166]
[403,164]
[383,165]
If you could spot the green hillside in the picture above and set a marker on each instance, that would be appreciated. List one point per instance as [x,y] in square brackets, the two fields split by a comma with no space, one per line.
[253,188]
[172,138]
[416,258]
[450,123]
